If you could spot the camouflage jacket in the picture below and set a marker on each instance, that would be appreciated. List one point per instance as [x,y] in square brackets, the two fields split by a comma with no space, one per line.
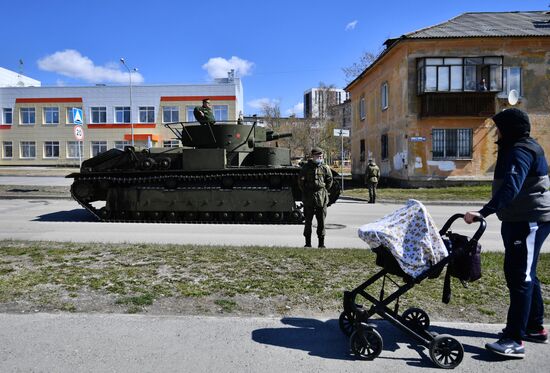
[207,116]
[314,181]
[372,174]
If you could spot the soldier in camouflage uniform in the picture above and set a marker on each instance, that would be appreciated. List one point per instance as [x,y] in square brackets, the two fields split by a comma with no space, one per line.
[372,176]
[315,180]
[203,114]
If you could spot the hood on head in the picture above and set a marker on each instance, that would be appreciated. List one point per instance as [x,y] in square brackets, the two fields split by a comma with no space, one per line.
[513,124]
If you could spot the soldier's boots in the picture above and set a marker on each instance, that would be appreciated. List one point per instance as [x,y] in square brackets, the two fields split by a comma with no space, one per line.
[322,242]
[308,241]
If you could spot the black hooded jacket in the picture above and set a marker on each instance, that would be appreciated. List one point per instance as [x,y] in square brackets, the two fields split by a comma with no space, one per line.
[520,184]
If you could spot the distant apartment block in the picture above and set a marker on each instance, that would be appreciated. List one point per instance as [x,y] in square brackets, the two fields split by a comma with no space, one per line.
[319,101]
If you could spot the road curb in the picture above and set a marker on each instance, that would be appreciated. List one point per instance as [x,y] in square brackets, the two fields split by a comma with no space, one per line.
[399,202]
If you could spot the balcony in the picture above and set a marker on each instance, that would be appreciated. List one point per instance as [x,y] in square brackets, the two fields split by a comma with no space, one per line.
[460,104]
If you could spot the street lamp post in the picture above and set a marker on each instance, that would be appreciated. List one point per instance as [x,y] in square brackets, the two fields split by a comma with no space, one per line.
[130,75]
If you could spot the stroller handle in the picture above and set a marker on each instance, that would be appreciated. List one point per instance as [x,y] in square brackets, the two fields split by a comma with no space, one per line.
[452,219]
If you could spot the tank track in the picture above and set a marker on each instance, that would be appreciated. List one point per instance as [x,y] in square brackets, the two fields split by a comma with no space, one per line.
[256,179]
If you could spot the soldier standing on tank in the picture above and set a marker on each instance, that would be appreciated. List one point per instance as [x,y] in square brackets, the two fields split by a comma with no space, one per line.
[203,114]
[372,175]
[315,181]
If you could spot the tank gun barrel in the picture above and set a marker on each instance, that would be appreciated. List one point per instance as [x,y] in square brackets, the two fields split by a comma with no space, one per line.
[277,136]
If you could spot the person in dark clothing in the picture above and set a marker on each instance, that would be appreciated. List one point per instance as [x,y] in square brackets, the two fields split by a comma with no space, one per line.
[372,176]
[521,200]
[315,181]
[203,114]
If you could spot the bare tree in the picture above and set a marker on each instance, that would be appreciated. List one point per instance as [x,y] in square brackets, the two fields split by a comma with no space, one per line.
[353,71]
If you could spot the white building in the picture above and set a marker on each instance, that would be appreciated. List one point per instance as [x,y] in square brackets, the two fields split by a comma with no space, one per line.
[10,78]
[319,101]
[36,123]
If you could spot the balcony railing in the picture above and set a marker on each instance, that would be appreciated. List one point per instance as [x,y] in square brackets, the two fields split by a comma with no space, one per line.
[467,104]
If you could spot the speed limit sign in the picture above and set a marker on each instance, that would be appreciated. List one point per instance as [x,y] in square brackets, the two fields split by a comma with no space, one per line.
[78,133]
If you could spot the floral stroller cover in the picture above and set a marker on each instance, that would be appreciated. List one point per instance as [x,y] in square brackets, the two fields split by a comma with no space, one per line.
[411,236]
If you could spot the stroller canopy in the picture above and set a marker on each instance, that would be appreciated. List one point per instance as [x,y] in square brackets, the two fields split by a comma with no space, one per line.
[411,236]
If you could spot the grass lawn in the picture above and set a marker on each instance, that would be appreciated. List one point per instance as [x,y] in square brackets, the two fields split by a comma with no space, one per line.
[187,279]
[463,193]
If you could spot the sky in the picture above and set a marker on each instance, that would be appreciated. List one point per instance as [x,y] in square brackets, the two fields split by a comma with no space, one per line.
[279,48]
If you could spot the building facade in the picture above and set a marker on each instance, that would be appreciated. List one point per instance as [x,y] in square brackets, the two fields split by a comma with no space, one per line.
[36,123]
[422,109]
[318,102]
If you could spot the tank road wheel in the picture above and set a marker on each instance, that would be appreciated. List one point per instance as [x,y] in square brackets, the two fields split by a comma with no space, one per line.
[240,216]
[206,216]
[345,321]
[156,215]
[296,216]
[190,216]
[83,190]
[259,216]
[104,214]
[226,216]
[366,343]
[138,215]
[172,216]
[446,352]
[164,163]
[416,319]
[228,182]
[123,215]
[147,164]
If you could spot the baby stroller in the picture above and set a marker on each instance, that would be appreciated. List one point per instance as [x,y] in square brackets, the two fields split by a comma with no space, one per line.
[408,245]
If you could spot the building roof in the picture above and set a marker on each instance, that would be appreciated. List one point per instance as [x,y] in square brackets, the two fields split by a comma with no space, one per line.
[473,25]
[535,23]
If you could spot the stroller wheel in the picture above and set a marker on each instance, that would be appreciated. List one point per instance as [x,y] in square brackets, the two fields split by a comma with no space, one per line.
[366,343]
[446,352]
[345,321]
[416,318]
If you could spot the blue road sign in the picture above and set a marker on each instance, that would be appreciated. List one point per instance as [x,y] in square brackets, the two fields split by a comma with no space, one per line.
[77,115]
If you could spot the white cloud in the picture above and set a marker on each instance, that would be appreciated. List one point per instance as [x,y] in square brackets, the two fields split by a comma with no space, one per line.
[351,25]
[218,67]
[297,110]
[260,103]
[74,65]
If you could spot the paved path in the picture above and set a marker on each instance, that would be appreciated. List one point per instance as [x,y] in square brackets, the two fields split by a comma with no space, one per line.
[138,343]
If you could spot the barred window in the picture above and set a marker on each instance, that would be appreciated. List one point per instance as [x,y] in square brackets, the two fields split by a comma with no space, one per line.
[455,143]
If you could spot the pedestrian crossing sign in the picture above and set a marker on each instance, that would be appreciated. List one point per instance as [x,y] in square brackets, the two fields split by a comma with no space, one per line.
[77,115]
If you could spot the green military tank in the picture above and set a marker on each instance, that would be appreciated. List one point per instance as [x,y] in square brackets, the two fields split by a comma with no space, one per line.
[224,173]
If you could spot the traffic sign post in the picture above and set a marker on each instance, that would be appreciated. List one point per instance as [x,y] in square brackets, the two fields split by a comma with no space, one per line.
[342,133]
[79,136]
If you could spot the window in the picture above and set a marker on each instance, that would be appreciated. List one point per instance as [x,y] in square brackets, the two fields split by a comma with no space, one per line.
[98,147]
[384,96]
[171,143]
[170,114]
[146,114]
[99,114]
[220,112]
[190,115]
[51,149]
[7,116]
[362,113]
[75,149]
[459,74]
[453,143]
[70,117]
[121,144]
[384,146]
[28,149]
[51,115]
[511,80]
[27,115]
[362,151]
[7,149]
[122,114]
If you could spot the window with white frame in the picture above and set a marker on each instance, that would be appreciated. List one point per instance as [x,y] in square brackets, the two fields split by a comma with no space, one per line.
[384,96]
[220,112]
[190,113]
[7,115]
[362,111]
[98,147]
[75,149]
[28,115]
[122,114]
[171,143]
[452,143]
[170,114]
[7,149]
[511,79]
[70,116]
[99,114]
[28,149]
[51,115]
[121,144]
[51,149]
[146,114]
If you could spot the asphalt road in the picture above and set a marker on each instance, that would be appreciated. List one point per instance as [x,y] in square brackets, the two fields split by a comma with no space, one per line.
[141,343]
[65,220]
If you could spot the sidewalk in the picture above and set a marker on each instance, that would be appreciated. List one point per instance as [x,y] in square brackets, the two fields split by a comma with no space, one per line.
[142,343]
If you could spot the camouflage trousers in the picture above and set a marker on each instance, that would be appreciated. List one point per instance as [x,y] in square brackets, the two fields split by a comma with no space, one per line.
[320,213]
